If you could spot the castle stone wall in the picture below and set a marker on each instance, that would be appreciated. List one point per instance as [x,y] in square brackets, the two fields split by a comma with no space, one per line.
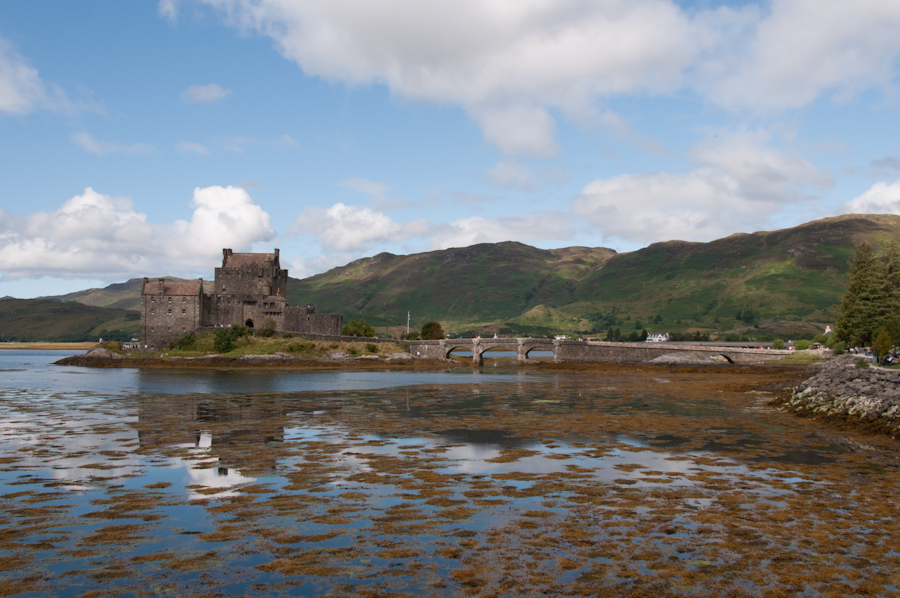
[169,310]
[305,320]
[250,289]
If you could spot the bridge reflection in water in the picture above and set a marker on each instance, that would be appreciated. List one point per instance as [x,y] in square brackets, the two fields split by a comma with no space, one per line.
[571,351]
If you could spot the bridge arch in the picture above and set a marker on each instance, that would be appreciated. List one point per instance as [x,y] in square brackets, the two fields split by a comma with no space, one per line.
[528,348]
[449,348]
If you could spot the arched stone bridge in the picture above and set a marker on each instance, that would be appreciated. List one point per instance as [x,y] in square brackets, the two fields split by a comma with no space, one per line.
[572,351]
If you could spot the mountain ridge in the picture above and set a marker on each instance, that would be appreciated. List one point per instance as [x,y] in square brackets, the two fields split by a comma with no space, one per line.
[791,275]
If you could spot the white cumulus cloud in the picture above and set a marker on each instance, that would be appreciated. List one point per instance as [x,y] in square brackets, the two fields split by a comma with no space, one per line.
[223,217]
[96,235]
[511,63]
[881,198]
[525,228]
[204,94]
[739,182]
[345,228]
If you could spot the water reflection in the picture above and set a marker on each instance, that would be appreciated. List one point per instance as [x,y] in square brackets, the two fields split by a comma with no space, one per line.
[564,484]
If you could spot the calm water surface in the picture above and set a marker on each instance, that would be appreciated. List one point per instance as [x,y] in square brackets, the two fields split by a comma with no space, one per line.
[502,482]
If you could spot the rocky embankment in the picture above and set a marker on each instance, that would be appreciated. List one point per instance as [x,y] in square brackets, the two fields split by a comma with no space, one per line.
[100,357]
[841,389]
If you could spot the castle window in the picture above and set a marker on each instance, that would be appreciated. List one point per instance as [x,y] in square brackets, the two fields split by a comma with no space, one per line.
[183,311]
[152,299]
[170,311]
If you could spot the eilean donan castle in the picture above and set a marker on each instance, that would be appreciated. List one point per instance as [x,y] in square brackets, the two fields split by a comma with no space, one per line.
[250,288]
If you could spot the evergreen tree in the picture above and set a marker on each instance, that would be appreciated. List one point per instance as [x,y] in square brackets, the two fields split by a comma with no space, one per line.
[872,299]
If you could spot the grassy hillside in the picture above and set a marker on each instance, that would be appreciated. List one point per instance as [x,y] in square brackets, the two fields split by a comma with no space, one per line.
[791,274]
[123,295]
[43,320]
[788,276]
[482,283]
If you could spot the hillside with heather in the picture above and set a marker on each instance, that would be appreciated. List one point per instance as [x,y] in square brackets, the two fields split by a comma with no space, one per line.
[28,320]
[787,282]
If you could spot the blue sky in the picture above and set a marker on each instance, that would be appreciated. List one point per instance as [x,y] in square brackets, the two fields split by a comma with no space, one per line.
[139,138]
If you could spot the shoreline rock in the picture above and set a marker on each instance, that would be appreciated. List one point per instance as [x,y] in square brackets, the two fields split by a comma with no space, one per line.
[100,357]
[842,389]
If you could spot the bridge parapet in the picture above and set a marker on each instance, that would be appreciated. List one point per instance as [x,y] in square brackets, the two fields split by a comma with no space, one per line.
[573,351]
[441,349]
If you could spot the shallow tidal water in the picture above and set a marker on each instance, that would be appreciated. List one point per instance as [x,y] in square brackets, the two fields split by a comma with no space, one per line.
[624,481]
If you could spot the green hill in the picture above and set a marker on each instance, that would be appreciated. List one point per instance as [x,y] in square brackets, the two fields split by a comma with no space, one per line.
[489,282]
[122,295]
[42,320]
[787,282]
[789,276]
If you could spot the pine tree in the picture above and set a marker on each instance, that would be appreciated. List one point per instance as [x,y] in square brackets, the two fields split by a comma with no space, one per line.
[872,299]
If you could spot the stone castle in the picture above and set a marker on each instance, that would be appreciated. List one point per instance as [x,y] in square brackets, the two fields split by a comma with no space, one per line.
[249,289]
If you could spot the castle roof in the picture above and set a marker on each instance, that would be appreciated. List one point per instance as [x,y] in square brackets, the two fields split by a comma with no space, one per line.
[243,260]
[173,287]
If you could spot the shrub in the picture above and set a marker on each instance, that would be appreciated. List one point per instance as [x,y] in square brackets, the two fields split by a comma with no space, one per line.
[114,346]
[354,328]
[882,344]
[223,342]
[412,336]
[778,344]
[405,347]
[839,347]
[185,342]
[300,346]
[267,330]
[334,345]
[287,335]
[862,364]
[432,331]
[802,345]
[352,350]
[371,348]
[239,331]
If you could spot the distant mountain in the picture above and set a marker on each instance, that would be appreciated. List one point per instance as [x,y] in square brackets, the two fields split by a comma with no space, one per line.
[789,280]
[121,295]
[43,320]
[790,275]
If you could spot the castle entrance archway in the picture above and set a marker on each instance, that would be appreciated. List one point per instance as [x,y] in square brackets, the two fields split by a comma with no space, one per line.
[249,323]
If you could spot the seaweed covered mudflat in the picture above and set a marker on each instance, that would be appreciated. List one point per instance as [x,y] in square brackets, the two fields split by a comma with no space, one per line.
[638,481]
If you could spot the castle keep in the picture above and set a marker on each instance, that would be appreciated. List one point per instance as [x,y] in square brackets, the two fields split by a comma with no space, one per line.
[249,289]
